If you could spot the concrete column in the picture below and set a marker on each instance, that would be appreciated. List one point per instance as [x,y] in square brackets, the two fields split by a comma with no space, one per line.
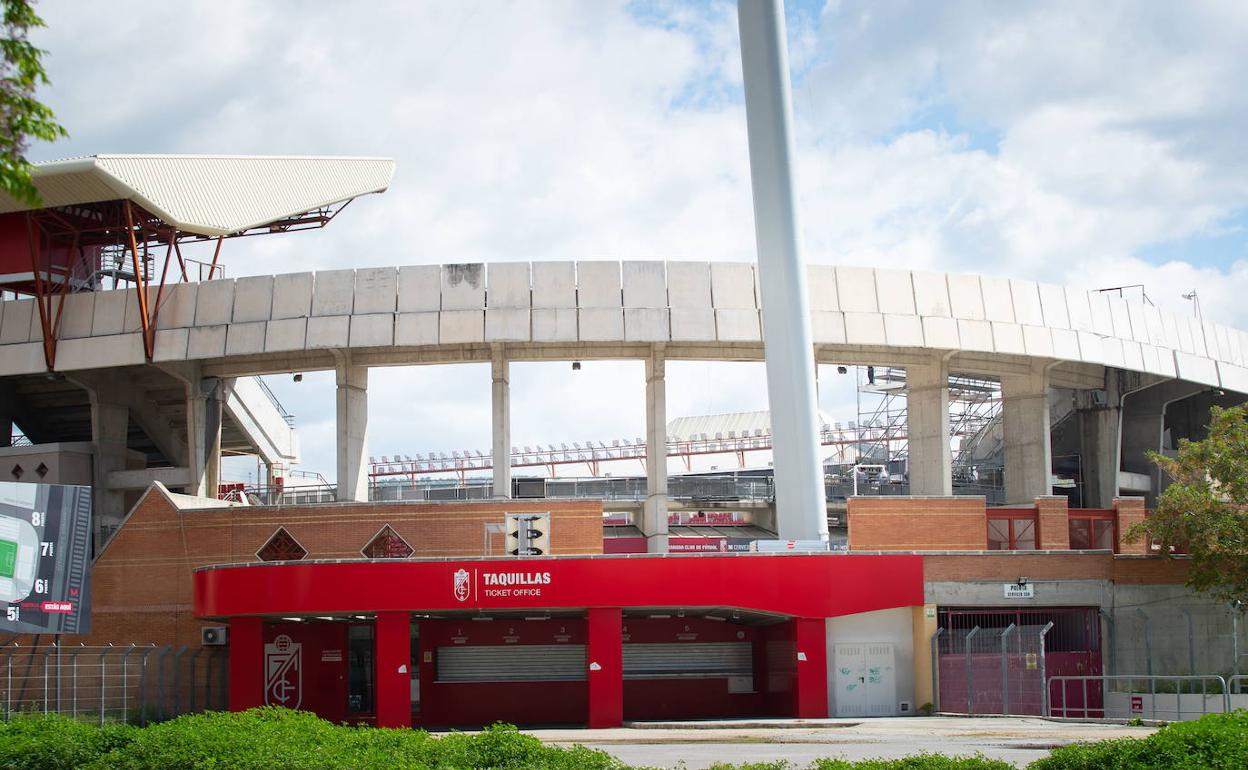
[394,683]
[654,512]
[500,400]
[204,411]
[246,663]
[352,420]
[110,426]
[927,410]
[604,656]
[1025,425]
[1099,413]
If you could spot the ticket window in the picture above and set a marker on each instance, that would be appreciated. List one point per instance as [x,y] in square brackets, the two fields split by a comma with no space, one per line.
[360,671]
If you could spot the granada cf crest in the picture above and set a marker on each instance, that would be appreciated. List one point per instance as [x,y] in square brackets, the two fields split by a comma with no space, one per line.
[461,585]
[283,673]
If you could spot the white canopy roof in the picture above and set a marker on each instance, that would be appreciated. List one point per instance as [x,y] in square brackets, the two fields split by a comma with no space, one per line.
[209,194]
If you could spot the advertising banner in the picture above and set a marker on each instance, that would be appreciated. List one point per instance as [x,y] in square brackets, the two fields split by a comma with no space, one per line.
[45,558]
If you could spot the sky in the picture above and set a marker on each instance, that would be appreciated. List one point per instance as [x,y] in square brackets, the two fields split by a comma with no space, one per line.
[1090,144]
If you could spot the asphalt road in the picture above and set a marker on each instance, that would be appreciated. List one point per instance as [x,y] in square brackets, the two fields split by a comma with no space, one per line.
[1018,740]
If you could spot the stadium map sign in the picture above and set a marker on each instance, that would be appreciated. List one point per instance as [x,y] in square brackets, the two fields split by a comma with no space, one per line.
[45,552]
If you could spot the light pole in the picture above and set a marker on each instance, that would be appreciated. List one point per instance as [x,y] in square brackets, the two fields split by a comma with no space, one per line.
[801,508]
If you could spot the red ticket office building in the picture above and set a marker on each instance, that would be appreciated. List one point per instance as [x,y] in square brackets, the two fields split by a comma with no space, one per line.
[590,640]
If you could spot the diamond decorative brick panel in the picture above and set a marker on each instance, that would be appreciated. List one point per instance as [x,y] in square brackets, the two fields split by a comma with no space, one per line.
[281,547]
[387,545]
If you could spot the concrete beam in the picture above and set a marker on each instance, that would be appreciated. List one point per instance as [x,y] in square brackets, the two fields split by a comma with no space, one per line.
[352,433]
[170,477]
[654,513]
[500,402]
[927,411]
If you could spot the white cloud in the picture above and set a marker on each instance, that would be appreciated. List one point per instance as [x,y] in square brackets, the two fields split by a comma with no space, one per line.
[1050,141]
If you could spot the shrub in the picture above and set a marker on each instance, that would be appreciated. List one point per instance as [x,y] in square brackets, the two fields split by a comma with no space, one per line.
[1213,742]
[53,742]
[916,762]
[279,739]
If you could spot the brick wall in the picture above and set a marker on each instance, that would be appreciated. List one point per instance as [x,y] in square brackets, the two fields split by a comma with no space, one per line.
[1150,570]
[141,583]
[1054,523]
[1005,566]
[1130,511]
[917,524]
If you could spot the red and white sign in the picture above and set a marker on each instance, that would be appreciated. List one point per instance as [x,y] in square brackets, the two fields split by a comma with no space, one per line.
[57,606]
[798,585]
[283,672]
[1137,704]
[462,588]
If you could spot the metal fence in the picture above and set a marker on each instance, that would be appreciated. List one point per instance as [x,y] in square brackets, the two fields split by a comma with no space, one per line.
[132,683]
[990,670]
[1169,698]
[1179,637]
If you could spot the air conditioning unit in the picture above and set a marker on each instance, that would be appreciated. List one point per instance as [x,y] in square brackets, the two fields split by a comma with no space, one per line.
[214,636]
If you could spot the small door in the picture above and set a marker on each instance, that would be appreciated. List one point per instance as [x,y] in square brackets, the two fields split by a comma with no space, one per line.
[865,681]
[305,667]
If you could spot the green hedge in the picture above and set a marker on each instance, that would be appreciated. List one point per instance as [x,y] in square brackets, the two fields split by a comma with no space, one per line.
[1213,742]
[51,742]
[277,739]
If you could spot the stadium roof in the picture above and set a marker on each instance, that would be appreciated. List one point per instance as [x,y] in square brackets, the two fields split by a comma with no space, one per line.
[209,195]
[738,423]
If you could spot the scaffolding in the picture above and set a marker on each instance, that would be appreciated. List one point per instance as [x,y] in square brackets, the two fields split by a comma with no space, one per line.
[974,421]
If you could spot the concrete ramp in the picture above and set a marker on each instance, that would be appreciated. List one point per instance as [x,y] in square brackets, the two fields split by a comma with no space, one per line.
[261,418]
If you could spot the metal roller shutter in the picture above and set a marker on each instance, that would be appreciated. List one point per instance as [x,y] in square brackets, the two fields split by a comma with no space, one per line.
[512,663]
[692,660]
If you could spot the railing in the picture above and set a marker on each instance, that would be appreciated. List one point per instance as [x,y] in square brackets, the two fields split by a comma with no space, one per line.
[131,683]
[717,489]
[1151,708]
[264,388]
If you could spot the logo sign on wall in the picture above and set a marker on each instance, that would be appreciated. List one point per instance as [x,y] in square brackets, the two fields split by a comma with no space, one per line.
[499,584]
[45,558]
[283,672]
[462,588]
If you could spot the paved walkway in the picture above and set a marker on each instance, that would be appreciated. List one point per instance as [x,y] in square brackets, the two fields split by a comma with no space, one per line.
[1018,740]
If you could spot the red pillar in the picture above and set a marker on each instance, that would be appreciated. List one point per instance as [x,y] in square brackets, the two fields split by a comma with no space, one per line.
[394,652]
[246,663]
[604,656]
[811,645]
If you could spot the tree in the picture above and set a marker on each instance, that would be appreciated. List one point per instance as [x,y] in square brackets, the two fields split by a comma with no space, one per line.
[23,117]
[1204,512]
